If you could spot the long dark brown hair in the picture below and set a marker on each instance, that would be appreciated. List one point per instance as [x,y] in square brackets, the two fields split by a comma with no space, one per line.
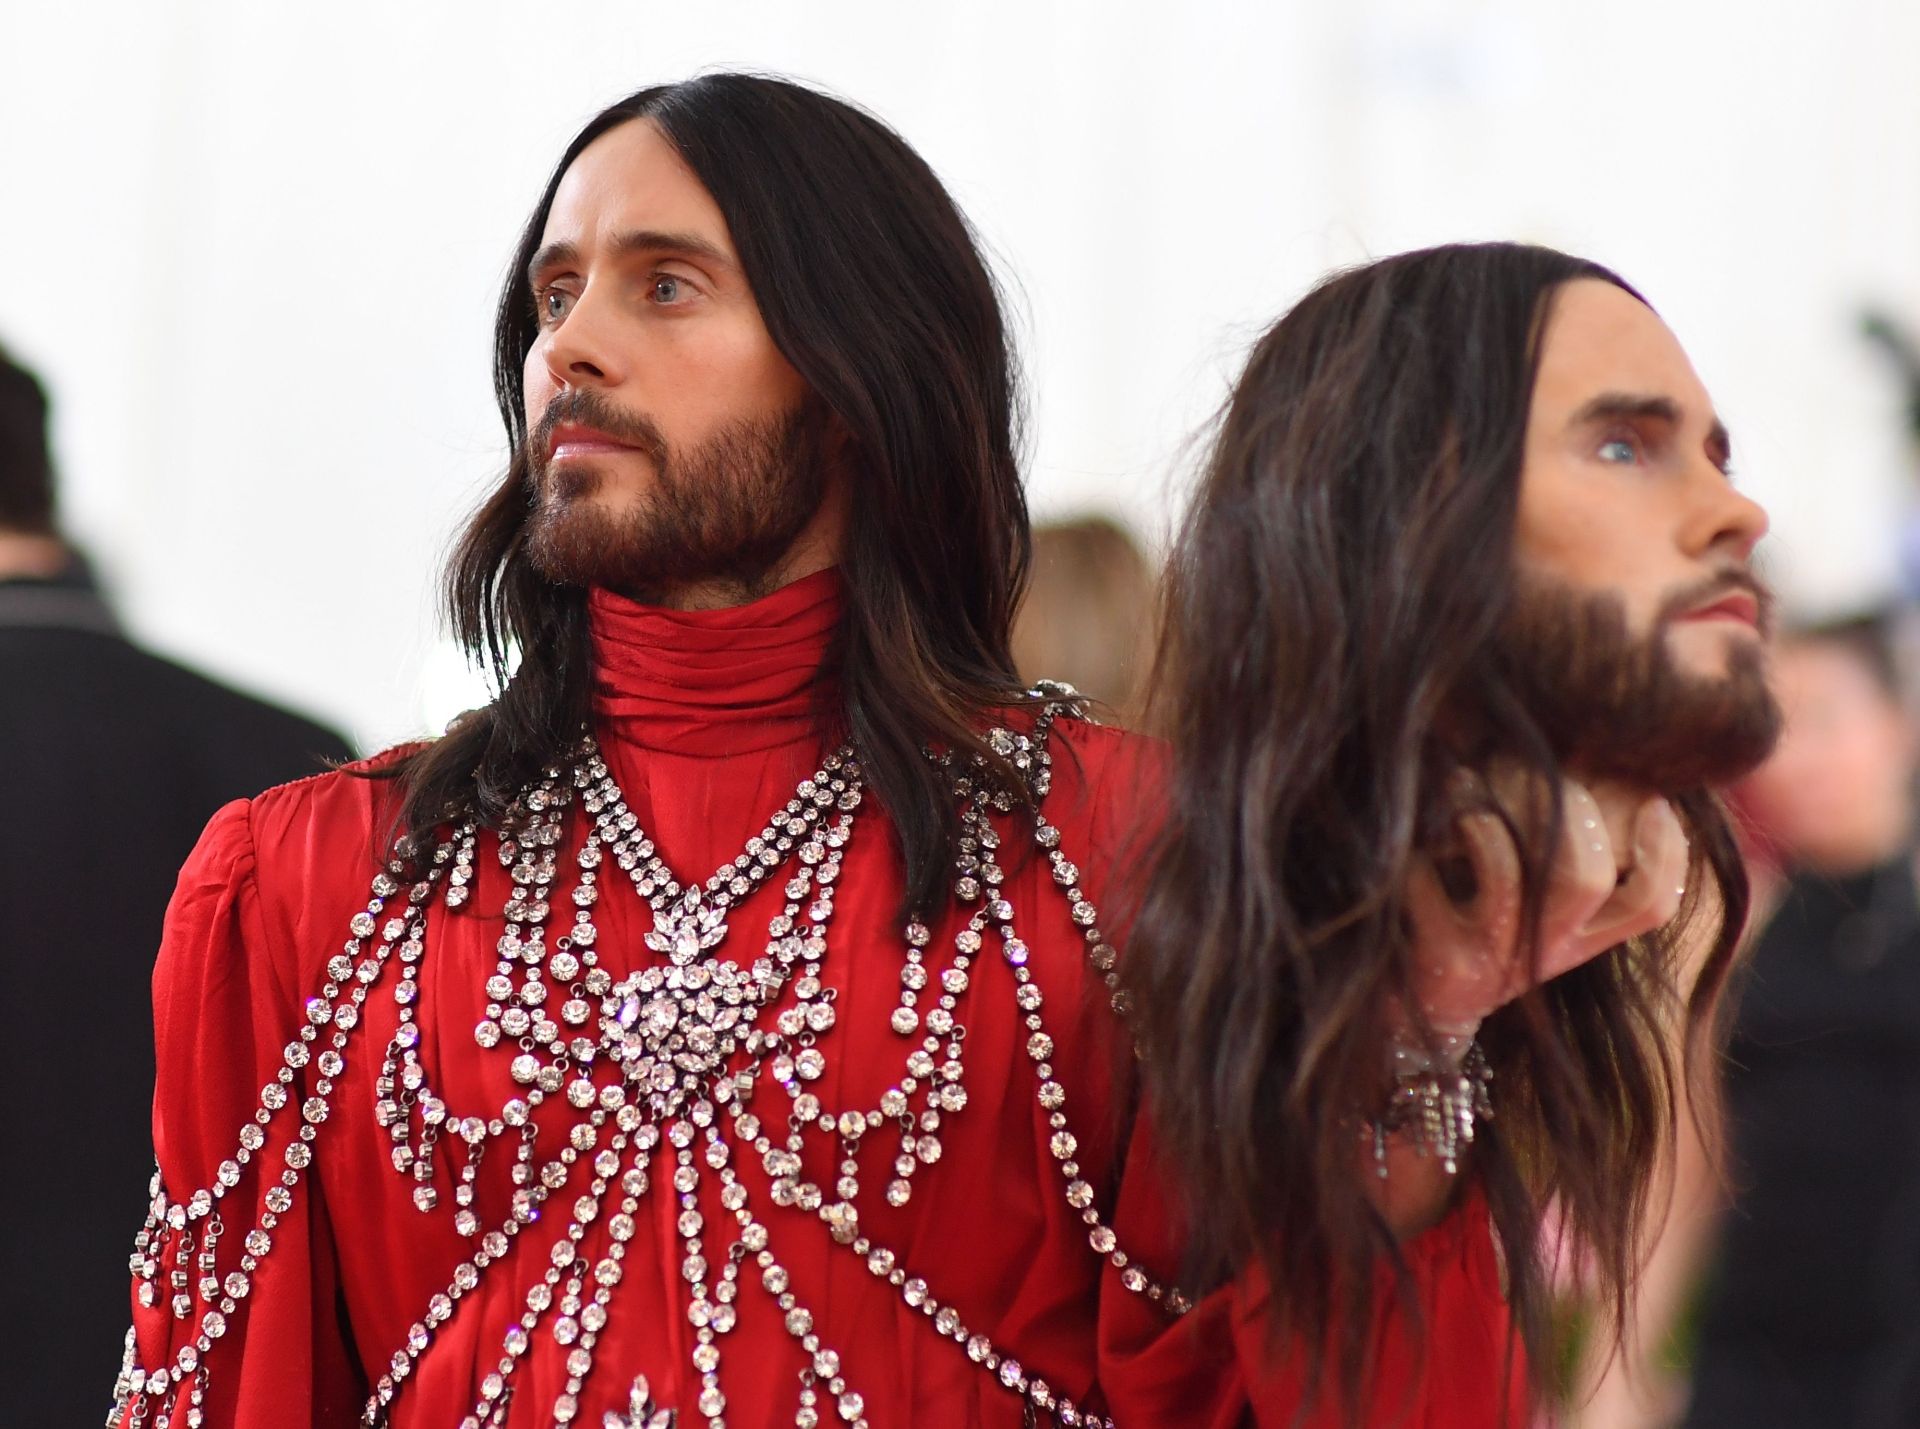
[872,285]
[1334,605]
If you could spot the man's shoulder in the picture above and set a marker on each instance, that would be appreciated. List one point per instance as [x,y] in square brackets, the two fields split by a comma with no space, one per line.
[1099,773]
[343,814]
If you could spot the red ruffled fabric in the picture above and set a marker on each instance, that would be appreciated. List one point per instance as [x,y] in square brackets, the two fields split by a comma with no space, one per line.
[715,683]
[708,720]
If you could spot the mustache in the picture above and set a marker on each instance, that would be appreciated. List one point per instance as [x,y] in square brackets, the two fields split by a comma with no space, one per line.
[1713,588]
[592,410]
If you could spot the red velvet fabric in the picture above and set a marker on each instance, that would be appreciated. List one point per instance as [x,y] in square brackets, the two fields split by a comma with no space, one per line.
[708,721]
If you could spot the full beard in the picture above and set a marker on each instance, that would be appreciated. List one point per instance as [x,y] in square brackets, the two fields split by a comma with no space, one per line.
[725,512]
[1617,707]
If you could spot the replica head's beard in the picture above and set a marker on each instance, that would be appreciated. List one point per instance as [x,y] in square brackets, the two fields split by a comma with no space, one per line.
[1617,707]
[727,510]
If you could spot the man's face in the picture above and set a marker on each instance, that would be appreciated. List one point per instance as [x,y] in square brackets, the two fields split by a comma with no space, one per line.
[1624,489]
[671,443]
[1636,620]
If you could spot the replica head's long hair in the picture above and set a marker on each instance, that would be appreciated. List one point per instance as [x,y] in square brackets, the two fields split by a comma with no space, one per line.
[1334,607]
[871,284]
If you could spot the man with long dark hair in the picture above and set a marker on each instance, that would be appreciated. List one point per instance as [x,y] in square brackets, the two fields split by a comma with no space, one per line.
[1462,618]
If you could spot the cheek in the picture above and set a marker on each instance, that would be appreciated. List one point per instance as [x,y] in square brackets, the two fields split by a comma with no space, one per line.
[724,376]
[1584,542]
[537,386]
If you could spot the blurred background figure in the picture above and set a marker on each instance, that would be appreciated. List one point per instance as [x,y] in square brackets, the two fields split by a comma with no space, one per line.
[1088,615]
[1795,1292]
[111,760]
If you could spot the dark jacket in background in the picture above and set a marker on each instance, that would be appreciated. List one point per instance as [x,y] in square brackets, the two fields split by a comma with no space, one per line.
[1812,1315]
[111,762]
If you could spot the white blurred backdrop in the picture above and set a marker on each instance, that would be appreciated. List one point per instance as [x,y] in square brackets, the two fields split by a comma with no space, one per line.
[254,249]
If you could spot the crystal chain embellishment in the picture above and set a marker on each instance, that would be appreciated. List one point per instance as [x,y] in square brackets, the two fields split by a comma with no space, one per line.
[191,1231]
[665,1061]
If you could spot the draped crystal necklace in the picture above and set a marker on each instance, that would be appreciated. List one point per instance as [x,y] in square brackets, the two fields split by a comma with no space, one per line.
[696,1061]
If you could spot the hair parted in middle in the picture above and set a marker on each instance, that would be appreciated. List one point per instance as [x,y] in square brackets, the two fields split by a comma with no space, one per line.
[872,285]
[1335,601]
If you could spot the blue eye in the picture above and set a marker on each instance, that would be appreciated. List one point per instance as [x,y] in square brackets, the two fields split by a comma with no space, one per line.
[551,306]
[666,289]
[1619,450]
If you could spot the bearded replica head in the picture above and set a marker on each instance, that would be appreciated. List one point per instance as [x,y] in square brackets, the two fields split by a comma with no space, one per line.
[1467,507]
[1635,631]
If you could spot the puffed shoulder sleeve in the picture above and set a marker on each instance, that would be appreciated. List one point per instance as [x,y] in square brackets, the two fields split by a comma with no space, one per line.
[234,1289]
[1217,1364]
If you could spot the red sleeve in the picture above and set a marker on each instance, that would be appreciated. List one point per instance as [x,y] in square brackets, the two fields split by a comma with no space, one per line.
[233,1302]
[1216,1366]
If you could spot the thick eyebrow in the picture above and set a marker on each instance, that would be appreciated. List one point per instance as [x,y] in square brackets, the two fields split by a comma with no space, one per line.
[1627,407]
[638,240]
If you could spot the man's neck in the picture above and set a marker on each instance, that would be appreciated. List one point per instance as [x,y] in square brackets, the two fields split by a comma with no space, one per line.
[29,556]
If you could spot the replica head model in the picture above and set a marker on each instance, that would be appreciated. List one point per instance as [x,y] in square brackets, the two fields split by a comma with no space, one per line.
[1468,530]
[746,336]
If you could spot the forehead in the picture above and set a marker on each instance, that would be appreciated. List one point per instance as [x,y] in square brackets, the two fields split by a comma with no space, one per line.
[1599,339]
[632,179]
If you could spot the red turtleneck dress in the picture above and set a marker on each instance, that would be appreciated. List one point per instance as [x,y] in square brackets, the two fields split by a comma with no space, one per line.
[707,724]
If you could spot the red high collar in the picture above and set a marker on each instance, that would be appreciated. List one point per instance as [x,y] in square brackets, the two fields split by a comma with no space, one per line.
[715,682]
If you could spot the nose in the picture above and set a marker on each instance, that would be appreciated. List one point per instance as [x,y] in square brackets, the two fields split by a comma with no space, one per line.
[1724,520]
[580,351]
